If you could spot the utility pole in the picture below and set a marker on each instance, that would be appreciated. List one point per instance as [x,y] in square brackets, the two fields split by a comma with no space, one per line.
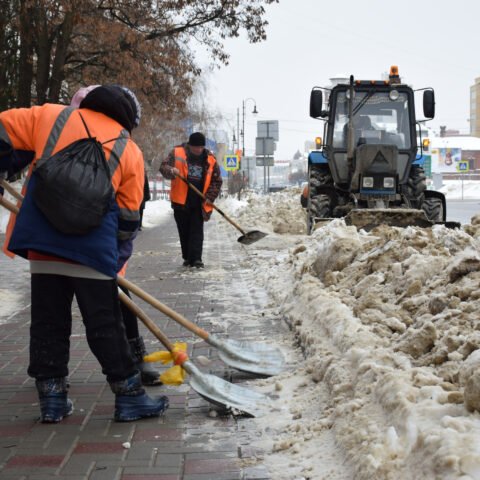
[238,128]
[255,112]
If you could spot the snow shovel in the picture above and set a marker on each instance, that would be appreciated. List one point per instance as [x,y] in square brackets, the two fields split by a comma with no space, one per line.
[215,390]
[10,189]
[8,205]
[260,359]
[247,238]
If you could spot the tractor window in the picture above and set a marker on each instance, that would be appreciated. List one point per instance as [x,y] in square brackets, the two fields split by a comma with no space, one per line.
[376,120]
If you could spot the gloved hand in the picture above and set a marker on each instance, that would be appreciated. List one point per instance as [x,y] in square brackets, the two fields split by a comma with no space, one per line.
[175,171]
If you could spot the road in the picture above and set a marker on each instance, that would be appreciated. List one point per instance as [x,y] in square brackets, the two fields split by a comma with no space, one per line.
[462,210]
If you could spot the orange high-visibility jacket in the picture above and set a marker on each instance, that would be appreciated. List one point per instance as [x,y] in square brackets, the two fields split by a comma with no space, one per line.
[49,128]
[179,189]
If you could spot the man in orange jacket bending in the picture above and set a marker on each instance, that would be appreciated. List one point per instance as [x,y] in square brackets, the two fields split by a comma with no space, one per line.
[85,265]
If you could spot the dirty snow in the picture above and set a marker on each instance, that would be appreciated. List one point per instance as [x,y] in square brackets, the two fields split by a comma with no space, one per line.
[387,385]
[389,327]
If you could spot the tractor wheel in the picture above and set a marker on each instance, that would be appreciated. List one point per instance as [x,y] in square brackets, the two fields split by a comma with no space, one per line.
[320,206]
[318,203]
[320,177]
[416,186]
[433,208]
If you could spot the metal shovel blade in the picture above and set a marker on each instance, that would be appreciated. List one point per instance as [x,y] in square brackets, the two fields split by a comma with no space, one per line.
[369,218]
[227,395]
[251,237]
[258,358]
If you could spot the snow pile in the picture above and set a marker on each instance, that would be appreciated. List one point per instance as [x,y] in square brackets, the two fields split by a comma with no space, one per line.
[388,321]
[278,212]
[155,211]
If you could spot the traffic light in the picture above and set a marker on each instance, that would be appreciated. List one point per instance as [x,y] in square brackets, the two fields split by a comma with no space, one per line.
[318,143]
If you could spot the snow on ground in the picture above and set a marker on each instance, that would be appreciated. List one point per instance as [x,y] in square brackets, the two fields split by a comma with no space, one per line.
[10,302]
[4,213]
[3,220]
[452,189]
[388,323]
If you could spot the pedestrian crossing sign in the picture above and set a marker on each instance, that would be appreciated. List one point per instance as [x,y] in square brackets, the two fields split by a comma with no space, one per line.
[463,166]
[231,162]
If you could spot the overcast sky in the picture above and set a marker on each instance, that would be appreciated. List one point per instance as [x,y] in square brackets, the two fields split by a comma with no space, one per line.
[434,43]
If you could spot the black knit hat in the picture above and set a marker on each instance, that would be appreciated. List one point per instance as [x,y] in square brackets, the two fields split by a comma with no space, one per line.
[116,102]
[196,139]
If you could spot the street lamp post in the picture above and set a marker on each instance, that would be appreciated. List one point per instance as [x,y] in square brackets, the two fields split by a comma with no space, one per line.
[255,112]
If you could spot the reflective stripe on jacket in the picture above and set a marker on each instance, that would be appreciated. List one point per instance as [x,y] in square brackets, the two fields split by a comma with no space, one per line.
[179,189]
[47,129]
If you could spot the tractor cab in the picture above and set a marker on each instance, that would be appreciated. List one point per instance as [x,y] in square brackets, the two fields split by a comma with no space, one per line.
[369,159]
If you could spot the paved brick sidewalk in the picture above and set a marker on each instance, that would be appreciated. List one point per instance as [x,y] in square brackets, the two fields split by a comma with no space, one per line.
[189,443]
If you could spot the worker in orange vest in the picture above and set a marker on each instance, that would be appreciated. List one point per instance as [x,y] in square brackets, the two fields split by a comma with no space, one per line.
[198,165]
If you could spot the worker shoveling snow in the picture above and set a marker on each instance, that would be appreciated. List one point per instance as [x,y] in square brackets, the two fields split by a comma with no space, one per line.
[388,322]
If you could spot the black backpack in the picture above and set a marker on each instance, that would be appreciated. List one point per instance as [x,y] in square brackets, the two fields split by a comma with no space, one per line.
[73,188]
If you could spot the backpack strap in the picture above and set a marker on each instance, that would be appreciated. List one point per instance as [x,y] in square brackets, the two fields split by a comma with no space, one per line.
[55,133]
[85,124]
[117,150]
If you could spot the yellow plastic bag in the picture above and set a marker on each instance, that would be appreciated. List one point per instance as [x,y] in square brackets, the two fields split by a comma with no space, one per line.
[176,374]
[173,376]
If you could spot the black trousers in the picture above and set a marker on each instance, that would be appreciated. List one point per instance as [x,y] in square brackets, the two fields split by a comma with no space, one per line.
[51,326]
[190,230]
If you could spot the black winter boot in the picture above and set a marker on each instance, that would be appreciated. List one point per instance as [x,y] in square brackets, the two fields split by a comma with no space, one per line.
[132,403]
[150,376]
[54,403]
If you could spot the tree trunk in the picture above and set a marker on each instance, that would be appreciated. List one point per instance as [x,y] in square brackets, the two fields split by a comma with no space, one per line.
[25,62]
[64,36]
[43,50]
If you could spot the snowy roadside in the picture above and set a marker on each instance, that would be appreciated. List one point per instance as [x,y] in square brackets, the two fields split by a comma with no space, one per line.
[388,321]
[456,189]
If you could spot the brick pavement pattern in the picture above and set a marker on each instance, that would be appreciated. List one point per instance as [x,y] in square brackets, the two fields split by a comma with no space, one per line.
[189,442]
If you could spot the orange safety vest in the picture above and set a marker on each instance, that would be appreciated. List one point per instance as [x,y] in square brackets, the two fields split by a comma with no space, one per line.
[179,189]
[48,128]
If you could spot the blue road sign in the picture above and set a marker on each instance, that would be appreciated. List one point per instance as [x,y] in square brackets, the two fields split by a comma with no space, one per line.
[231,162]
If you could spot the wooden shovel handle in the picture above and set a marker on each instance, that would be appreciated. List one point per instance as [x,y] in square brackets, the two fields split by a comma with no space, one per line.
[146,320]
[10,189]
[163,308]
[9,205]
[198,192]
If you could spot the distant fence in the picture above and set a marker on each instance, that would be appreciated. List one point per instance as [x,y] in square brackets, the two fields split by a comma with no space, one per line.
[471,175]
[164,193]
[160,193]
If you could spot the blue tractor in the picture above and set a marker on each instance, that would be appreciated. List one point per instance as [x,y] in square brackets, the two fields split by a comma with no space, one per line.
[369,168]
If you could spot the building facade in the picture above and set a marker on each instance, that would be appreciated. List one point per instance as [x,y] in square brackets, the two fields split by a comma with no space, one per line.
[475,108]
